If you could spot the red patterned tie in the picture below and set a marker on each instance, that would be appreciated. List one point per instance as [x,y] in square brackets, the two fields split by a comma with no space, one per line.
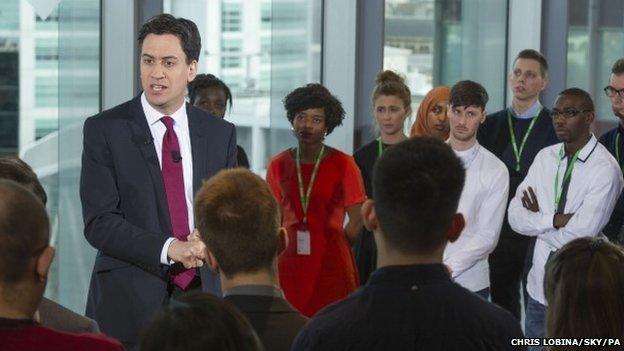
[173,177]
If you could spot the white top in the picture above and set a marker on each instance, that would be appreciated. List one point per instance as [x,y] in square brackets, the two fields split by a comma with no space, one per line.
[181,128]
[595,185]
[482,203]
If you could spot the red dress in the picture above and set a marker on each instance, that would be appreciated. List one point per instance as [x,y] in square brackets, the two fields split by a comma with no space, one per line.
[328,274]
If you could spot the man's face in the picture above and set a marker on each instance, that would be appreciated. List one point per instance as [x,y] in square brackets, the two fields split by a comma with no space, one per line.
[526,79]
[164,72]
[212,100]
[569,120]
[465,121]
[617,102]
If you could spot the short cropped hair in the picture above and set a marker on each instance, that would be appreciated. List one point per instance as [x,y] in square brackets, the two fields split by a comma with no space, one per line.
[468,93]
[205,81]
[416,186]
[587,102]
[238,219]
[15,169]
[618,67]
[184,29]
[199,321]
[24,230]
[315,95]
[583,285]
[536,56]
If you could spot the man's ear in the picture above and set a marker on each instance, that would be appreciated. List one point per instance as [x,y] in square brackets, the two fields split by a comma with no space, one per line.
[457,225]
[283,240]
[192,73]
[369,216]
[211,261]
[44,261]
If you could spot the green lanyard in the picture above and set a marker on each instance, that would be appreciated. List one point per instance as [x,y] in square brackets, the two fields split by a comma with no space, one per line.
[305,198]
[617,149]
[379,147]
[518,152]
[566,175]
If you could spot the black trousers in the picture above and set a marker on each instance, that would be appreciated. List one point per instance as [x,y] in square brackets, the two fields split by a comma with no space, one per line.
[509,266]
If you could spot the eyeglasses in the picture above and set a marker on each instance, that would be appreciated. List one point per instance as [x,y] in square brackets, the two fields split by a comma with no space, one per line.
[611,91]
[567,113]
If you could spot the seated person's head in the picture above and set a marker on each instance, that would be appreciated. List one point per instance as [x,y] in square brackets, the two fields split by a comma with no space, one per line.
[584,285]
[25,254]
[573,115]
[15,169]
[210,94]
[199,321]
[239,221]
[416,188]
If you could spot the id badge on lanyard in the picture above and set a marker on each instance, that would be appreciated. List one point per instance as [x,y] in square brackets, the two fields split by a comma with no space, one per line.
[303,242]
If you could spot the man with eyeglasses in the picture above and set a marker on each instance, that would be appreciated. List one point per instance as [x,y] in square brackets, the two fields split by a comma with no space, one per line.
[569,192]
[613,140]
[515,135]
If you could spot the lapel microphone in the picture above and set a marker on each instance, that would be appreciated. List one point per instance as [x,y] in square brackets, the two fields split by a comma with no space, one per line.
[175,156]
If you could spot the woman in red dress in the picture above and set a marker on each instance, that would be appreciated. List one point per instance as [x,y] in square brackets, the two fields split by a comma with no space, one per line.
[316,186]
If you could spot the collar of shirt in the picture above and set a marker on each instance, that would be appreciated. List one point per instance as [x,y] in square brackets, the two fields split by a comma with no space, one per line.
[255,289]
[410,275]
[529,113]
[586,151]
[153,116]
[467,156]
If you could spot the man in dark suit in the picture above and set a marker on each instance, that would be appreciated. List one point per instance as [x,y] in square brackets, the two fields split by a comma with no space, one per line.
[410,302]
[141,164]
[239,220]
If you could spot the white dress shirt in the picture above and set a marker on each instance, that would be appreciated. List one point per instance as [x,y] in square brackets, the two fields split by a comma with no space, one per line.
[595,185]
[482,203]
[181,128]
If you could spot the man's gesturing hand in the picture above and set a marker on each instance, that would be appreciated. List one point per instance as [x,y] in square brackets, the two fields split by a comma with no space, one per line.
[190,253]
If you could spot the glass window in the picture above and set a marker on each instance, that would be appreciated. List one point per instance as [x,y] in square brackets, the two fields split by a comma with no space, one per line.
[262,50]
[435,42]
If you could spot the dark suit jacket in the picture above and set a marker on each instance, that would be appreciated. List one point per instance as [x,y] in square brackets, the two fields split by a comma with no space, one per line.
[125,210]
[276,322]
[55,316]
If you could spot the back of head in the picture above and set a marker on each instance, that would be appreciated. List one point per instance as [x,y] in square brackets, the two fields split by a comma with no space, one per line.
[15,169]
[389,83]
[238,219]
[199,321]
[416,186]
[185,30]
[535,55]
[24,231]
[468,93]
[584,285]
[587,102]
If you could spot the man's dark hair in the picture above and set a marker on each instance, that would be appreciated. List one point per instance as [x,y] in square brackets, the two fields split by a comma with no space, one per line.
[24,230]
[205,81]
[416,186]
[315,95]
[15,169]
[587,102]
[199,321]
[536,56]
[618,67]
[238,219]
[468,93]
[182,28]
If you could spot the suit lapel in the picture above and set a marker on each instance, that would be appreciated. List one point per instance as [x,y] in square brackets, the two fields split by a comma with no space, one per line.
[142,139]
[199,146]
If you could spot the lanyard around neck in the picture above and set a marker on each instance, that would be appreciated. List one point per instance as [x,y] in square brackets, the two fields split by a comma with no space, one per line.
[512,135]
[617,149]
[567,174]
[305,197]
[379,147]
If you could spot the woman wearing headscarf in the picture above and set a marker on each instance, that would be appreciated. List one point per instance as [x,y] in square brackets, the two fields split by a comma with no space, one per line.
[431,115]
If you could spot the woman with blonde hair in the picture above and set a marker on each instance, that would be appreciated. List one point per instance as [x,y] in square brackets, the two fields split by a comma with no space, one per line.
[431,115]
[392,102]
